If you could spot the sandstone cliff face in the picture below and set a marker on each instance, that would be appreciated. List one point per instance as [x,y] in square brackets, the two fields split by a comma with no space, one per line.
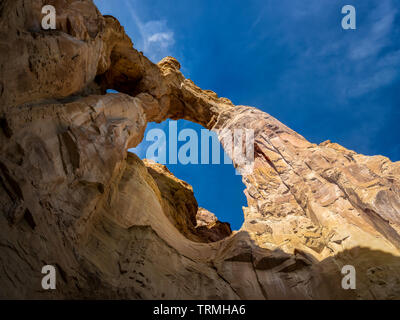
[119,227]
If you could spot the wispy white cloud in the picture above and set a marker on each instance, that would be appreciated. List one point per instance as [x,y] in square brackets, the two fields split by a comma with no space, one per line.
[157,39]
[384,72]
[376,80]
[165,39]
[339,69]
[359,61]
[377,36]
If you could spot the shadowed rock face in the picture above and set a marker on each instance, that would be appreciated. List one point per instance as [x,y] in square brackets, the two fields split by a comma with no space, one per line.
[210,228]
[118,227]
[180,206]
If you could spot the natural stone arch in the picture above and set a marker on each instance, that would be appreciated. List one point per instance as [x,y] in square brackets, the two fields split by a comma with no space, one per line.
[64,164]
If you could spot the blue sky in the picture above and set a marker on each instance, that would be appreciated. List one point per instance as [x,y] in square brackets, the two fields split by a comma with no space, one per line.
[289,58]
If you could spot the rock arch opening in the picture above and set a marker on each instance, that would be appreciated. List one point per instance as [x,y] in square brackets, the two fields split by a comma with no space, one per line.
[194,156]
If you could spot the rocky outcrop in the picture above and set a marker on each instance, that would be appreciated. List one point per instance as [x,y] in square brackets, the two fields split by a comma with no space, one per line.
[210,227]
[180,206]
[119,227]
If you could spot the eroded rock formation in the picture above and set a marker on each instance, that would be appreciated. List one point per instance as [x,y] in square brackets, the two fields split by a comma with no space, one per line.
[119,227]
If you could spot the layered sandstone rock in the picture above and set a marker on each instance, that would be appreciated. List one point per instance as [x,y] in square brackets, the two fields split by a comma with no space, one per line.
[119,227]
[210,228]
